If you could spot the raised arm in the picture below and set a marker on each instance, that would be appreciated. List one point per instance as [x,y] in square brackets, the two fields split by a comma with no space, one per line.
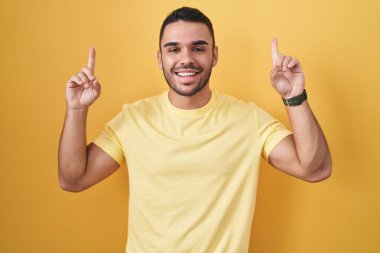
[81,166]
[305,154]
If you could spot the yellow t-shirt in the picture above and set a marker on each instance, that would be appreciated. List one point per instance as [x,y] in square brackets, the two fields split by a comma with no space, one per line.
[193,173]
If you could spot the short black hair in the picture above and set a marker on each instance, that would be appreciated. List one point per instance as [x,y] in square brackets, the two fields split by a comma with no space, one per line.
[187,14]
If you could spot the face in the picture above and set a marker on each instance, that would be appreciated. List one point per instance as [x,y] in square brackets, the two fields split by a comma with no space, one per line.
[187,57]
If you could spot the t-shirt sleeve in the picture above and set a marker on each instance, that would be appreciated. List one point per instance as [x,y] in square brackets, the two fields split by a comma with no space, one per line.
[270,131]
[109,141]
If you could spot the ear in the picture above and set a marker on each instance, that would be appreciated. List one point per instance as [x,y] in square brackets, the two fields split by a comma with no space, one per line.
[215,56]
[159,58]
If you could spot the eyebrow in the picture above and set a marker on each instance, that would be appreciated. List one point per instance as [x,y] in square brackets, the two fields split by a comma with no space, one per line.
[195,43]
[169,44]
[199,42]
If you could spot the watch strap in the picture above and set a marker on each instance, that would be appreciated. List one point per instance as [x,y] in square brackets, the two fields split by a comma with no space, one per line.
[297,100]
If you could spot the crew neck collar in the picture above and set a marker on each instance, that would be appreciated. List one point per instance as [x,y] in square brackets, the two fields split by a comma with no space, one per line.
[190,112]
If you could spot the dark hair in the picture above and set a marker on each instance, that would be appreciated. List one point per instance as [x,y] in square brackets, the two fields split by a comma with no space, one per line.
[187,14]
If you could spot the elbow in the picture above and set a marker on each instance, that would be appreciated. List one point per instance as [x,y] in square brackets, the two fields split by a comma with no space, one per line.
[322,173]
[69,186]
[321,176]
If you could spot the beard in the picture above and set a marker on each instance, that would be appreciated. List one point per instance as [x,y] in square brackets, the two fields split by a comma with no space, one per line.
[200,85]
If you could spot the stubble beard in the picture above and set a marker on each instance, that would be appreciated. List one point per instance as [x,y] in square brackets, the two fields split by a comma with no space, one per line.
[200,85]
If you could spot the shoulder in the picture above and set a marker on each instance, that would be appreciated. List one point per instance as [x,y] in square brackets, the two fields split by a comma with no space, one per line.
[244,111]
[144,105]
[232,104]
[145,102]
[135,112]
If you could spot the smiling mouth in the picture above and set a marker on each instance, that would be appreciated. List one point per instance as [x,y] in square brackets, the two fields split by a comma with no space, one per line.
[186,74]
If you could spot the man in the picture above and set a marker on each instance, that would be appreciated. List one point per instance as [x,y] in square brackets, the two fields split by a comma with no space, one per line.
[193,154]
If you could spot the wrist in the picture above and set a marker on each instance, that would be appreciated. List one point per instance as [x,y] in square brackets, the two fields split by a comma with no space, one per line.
[296,100]
[76,109]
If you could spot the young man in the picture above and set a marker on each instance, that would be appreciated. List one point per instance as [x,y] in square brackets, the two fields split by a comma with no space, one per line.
[193,154]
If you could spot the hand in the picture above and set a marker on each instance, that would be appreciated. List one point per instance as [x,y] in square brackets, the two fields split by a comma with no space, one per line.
[286,74]
[82,89]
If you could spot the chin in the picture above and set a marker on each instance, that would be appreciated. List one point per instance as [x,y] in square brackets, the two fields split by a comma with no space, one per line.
[187,92]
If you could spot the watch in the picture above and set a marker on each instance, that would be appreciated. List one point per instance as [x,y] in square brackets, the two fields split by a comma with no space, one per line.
[297,100]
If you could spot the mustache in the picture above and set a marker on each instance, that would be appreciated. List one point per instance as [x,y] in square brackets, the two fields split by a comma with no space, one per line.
[189,66]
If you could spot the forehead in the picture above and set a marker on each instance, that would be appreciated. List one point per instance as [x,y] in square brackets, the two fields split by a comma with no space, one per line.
[186,32]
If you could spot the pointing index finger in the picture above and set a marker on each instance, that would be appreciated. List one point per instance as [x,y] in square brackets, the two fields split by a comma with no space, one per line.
[91,59]
[274,49]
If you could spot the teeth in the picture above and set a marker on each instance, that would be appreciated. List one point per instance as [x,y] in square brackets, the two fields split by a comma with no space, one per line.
[186,74]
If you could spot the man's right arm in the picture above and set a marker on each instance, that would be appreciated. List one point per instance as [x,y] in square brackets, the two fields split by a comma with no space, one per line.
[80,165]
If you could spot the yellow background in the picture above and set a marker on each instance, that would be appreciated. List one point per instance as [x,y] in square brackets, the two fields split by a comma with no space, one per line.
[44,42]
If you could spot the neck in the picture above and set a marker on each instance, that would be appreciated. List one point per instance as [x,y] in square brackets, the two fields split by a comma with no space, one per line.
[190,102]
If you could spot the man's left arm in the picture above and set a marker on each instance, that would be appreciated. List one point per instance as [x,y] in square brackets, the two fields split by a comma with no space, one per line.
[305,153]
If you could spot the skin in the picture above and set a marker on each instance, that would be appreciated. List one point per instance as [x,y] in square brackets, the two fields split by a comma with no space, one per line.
[305,154]
[80,165]
[187,47]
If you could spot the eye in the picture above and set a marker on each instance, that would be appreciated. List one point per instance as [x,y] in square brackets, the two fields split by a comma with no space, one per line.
[198,49]
[173,50]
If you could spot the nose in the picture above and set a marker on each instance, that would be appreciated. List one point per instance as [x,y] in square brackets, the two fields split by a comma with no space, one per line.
[187,57]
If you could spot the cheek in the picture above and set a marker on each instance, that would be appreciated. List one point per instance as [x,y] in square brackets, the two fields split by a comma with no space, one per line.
[207,60]
[168,64]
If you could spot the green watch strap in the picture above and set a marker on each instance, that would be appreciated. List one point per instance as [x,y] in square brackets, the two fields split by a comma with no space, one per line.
[297,100]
